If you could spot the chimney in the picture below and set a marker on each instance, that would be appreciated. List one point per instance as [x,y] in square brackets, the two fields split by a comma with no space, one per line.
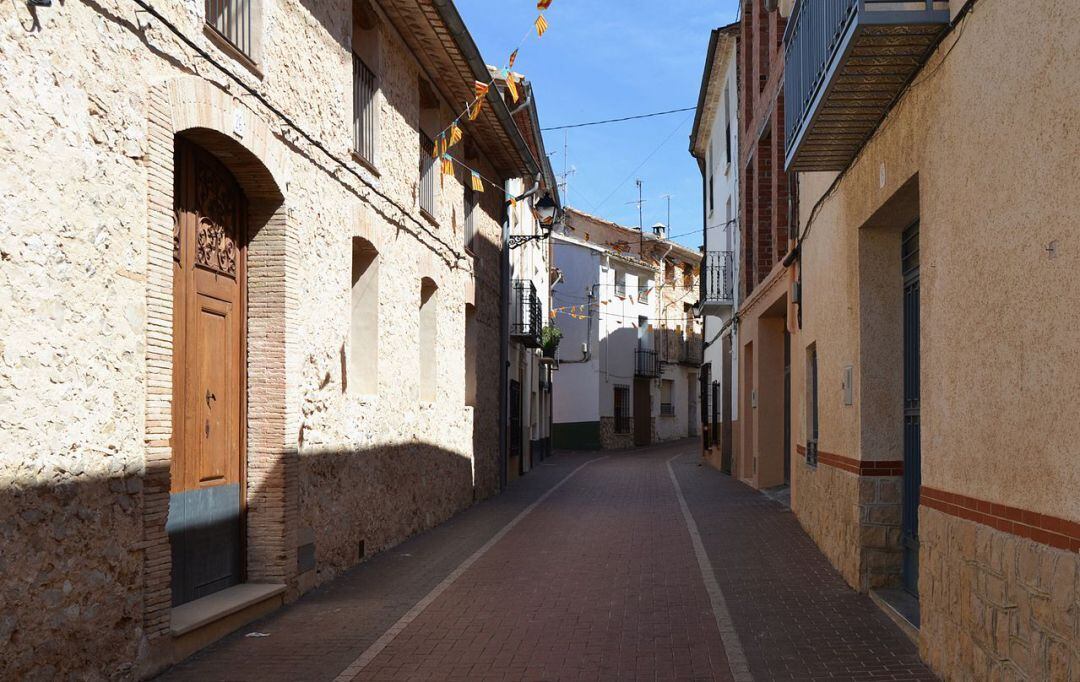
[660,230]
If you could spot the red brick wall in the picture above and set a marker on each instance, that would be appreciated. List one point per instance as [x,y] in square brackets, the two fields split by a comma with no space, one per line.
[763,200]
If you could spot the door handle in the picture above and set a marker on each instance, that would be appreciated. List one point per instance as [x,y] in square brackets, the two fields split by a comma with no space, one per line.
[210,397]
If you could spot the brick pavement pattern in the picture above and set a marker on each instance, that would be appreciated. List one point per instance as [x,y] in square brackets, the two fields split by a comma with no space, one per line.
[598,582]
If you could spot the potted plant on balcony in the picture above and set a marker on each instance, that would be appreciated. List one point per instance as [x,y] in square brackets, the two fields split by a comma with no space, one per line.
[549,340]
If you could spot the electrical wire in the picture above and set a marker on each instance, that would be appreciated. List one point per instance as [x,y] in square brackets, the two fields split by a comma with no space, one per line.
[619,120]
[647,159]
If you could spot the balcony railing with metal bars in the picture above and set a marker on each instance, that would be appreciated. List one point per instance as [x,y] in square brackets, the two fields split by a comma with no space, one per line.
[845,63]
[718,278]
[646,364]
[364,110]
[232,19]
[526,314]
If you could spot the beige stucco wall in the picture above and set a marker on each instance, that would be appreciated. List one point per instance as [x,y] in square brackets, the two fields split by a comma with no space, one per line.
[76,318]
[982,150]
[995,171]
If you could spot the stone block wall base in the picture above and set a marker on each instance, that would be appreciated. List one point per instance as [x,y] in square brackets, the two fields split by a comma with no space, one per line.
[994,605]
[854,519]
[610,439]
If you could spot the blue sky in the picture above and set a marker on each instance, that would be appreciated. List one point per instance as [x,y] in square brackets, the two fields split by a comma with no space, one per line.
[607,59]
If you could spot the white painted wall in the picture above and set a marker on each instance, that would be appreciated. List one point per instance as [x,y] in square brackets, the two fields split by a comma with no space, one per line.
[577,382]
[720,234]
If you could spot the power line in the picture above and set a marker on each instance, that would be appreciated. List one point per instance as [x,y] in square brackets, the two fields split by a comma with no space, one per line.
[620,120]
[647,159]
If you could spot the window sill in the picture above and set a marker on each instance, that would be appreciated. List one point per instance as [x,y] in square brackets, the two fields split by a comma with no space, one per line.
[222,43]
[428,217]
[369,165]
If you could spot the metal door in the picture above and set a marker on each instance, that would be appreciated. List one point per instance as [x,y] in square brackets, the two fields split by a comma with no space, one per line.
[912,429]
[205,503]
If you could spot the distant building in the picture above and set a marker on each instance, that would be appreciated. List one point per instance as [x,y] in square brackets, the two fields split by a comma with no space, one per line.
[629,358]
[714,142]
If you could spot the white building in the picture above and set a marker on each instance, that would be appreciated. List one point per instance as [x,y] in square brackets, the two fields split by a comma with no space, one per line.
[714,143]
[630,353]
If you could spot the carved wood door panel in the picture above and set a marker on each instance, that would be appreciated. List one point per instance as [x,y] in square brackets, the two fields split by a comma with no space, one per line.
[205,505]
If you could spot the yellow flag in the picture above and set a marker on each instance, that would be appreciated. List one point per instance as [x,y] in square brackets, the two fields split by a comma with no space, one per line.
[447,166]
[541,26]
[477,182]
[474,111]
[435,150]
[543,5]
[481,90]
[455,134]
[511,84]
[513,58]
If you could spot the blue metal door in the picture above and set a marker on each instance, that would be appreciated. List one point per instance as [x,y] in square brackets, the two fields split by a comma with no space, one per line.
[912,428]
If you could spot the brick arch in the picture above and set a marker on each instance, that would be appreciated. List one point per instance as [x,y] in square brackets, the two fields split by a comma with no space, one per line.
[219,123]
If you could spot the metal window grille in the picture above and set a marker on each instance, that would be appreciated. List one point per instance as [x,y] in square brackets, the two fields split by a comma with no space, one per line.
[364,109]
[643,293]
[232,19]
[622,409]
[469,220]
[427,176]
[526,317]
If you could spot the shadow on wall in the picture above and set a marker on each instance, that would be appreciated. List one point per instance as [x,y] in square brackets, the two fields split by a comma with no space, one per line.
[71,553]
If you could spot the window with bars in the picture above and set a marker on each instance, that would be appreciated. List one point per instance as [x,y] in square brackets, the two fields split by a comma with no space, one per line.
[365,111]
[622,409]
[427,176]
[234,20]
[469,209]
[667,390]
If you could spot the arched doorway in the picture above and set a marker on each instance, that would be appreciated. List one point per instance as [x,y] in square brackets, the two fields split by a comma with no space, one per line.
[205,522]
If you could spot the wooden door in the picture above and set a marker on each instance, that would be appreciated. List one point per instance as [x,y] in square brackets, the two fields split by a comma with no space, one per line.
[642,412]
[205,505]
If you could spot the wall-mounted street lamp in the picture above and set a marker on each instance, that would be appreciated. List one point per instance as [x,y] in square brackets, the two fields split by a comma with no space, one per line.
[547,214]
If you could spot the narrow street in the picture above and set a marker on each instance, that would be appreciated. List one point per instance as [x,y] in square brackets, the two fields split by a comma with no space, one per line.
[589,569]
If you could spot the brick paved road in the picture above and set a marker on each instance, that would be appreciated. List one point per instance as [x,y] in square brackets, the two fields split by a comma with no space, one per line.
[597,580]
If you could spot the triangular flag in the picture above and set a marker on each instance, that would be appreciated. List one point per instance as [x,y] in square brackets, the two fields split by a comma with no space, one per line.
[442,143]
[455,134]
[474,110]
[513,58]
[541,26]
[477,182]
[447,166]
[511,84]
[481,90]
[435,150]
[543,5]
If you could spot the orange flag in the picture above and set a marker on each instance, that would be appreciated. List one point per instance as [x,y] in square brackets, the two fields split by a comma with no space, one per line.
[513,58]
[543,5]
[541,26]
[435,150]
[455,134]
[481,89]
[447,166]
[474,111]
[477,182]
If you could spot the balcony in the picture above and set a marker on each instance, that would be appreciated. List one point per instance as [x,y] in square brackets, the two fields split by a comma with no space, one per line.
[692,350]
[717,279]
[526,314]
[646,363]
[846,62]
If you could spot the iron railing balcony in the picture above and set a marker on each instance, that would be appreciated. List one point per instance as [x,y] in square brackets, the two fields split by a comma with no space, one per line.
[846,62]
[526,314]
[646,364]
[718,279]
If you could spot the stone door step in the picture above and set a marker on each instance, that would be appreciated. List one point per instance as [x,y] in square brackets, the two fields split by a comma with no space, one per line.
[203,621]
[902,607]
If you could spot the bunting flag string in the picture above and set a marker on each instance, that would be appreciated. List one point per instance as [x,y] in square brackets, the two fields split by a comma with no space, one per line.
[453,133]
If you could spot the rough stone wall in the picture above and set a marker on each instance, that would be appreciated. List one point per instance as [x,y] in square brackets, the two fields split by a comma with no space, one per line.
[610,439]
[77,81]
[855,520]
[996,606]
[826,502]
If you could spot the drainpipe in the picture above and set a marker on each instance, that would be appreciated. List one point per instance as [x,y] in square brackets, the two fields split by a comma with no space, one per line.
[504,348]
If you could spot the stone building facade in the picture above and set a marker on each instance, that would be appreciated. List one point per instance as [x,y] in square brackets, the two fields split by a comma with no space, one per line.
[140,141]
[943,475]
